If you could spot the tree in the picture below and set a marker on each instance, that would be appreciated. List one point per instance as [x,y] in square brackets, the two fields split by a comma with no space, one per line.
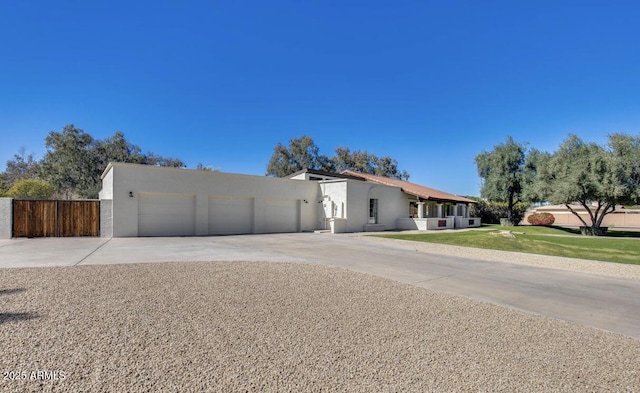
[302,153]
[535,162]
[596,177]
[625,167]
[502,173]
[3,189]
[365,162]
[22,166]
[158,160]
[116,149]
[490,212]
[359,161]
[388,167]
[31,189]
[202,167]
[75,160]
[69,164]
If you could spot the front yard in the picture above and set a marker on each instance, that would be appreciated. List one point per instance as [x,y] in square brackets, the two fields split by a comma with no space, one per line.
[620,247]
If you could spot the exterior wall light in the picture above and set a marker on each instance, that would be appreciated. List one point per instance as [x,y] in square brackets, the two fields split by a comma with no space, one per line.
[130,194]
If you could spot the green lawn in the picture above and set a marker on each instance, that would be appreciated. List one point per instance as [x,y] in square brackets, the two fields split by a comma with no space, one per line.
[540,240]
[553,230]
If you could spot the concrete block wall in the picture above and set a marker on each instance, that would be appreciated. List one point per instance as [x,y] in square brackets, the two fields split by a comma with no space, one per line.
[6,218]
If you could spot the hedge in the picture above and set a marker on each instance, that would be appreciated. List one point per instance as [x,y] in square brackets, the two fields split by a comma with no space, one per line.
[492,212]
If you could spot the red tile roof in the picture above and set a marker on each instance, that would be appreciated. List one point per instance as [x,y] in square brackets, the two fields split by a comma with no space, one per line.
[411,188]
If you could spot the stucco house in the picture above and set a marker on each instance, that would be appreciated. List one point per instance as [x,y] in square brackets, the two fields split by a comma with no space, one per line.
[142,200]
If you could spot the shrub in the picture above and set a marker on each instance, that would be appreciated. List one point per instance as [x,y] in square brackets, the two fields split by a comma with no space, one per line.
[492,212]
[541,219]
[30,189]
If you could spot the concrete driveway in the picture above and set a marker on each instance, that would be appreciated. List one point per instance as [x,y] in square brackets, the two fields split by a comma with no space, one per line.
[607,303]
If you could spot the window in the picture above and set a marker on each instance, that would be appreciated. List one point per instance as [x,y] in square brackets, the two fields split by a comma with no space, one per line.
[373,211]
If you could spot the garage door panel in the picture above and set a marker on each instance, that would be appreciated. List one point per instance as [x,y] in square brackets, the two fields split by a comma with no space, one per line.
[281,215]
[166,214]
[229,215]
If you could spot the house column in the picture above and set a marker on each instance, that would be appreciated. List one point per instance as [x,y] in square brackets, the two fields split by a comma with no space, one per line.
[420,209]
[464,211]
[439,210]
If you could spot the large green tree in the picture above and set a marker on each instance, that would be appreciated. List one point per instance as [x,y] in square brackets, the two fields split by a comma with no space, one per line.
[116,149]
[303,153]
[535,162]
[596,177]
[502,171]
[365,162]
[69,163]
[75,160]
[625,167]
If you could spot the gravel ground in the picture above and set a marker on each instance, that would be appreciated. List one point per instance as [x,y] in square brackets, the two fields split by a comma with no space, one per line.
[278,327]
[573,264]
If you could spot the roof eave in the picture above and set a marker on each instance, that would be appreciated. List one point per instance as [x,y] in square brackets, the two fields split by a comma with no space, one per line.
[430,198]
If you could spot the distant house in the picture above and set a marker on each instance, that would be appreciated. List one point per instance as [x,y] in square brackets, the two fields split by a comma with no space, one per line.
[140,200]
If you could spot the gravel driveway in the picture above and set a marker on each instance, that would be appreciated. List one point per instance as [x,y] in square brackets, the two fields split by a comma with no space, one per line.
[234,326]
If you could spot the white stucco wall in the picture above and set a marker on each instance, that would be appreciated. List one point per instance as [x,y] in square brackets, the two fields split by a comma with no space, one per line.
[6,218]
[107,185]
[300,176]
[122,179]
[106,205]
[106,218]
[334,201]
[412,224]
[354,195]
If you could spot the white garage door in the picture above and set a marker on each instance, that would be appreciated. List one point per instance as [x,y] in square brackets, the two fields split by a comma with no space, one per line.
[230,215]
[281,215]
[166,214]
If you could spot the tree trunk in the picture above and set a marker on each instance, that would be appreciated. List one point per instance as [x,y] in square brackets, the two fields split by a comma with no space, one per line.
[595,229]
[510,209]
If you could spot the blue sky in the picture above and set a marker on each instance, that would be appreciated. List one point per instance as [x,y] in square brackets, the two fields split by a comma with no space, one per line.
[429,83]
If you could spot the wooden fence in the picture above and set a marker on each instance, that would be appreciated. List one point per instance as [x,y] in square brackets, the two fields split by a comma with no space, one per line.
[55,218]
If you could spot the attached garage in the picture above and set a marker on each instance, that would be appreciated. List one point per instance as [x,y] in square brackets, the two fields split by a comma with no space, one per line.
[282,215]
[166,214]
[231,215]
